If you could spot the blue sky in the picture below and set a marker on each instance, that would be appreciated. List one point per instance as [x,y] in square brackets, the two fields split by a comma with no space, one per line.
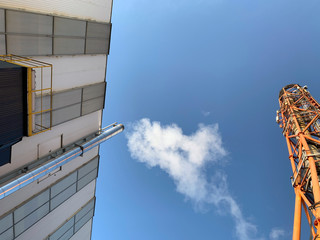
[217,63]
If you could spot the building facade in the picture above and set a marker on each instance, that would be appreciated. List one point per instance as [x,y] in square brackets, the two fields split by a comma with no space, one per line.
[52,93]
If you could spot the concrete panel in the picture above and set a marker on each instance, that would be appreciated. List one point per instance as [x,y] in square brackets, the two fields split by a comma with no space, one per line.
[65,114]
[2,28]
[93,91]
[97,46]
[83,233]
[60,214]
[94,10]
[2,44]
[92,105]
[62,99]
[22,22]
[75,71]
[29,45]
[68,46]
[69,27]
[98,30]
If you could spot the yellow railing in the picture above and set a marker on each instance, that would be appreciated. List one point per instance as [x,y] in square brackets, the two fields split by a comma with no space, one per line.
[39,92]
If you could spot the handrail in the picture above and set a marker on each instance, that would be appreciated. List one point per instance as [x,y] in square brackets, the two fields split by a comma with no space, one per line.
[66,157]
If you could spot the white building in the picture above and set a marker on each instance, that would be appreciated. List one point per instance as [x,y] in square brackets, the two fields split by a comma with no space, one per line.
[43,116]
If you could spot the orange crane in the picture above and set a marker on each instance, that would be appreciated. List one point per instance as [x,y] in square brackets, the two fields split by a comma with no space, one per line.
[299,118]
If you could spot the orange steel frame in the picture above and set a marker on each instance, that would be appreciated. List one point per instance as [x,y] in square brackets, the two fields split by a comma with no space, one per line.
[299,118]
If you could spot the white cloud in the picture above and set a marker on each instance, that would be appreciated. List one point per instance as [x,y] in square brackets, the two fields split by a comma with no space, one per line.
[206,114]
[184,158]
[277,233]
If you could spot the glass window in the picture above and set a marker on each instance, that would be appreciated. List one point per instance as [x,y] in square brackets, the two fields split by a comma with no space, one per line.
[62,230]
[87,179]
[84,210]
[83,220]
[5,223]
[88,168]
[31,205]
[32,218]
[7,235]
[63,184]
[63,196]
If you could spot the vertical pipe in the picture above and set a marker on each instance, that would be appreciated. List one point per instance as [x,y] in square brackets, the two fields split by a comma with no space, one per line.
[297,218]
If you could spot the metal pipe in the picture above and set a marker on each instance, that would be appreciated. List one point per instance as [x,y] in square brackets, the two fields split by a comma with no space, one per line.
[28,178]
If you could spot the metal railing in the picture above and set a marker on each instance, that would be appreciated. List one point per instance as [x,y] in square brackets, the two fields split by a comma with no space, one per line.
[39,92]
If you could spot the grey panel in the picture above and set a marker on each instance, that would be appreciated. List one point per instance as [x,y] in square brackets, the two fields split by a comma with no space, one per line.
[63,196]
[2,28]
[31,219]
[7,235]
[83,220]
[67,235]
[22,22]
[45,103]
[29,45]
[65,114]
[98,30]
[62,185]
[69,27]
[97,46]
[64,46]
[66,98]
[86,179]
[30,206]
[2,44]
[5,223]
[93,91]
[62,230]
[88,168]
[45,119]
[84,210]
[92,105]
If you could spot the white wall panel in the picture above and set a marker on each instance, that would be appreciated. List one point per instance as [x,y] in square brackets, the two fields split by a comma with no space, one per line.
[84,233]
[26,150]
[51,145]
[41,230]
[75,71]
[94,10]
